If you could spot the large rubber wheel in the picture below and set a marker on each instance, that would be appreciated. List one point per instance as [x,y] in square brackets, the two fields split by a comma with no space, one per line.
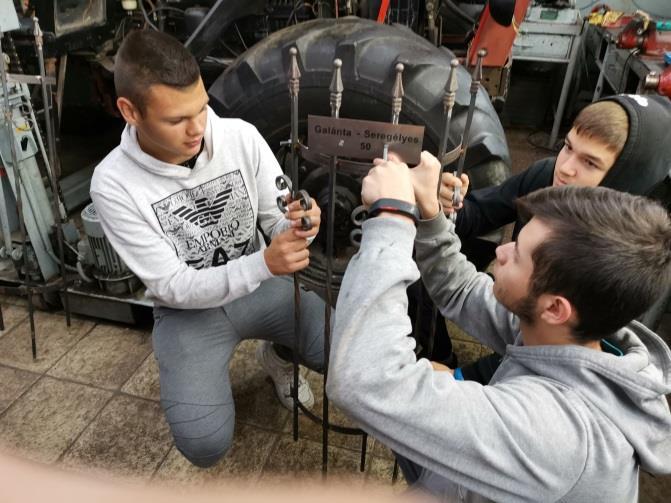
[255,88]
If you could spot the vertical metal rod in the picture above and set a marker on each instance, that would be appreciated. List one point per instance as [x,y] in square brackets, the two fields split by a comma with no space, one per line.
[449,97]
[397,94]
[568,78]
[4,222]
[19,205]
[52,162]
[448,105]
[294,87]
[364,447]
[476,77]
[602,73]
[39,42]
[335,99]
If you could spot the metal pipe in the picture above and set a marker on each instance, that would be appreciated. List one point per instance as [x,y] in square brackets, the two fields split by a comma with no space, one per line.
[449,97]
[4,219]
[335,99]
[19,206]
[52,161]
[397,94]
[294,87]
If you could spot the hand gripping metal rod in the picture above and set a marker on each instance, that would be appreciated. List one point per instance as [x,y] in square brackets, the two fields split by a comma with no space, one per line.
[476,77]
[294,87]
[335,99]
[359,213]
[19,203]
[52,164]
[449,97]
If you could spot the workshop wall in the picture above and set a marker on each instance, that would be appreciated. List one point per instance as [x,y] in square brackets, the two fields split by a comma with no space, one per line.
[657,8]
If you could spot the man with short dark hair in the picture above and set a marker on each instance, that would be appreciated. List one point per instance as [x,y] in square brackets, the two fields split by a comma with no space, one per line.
[184,200]
[578,403]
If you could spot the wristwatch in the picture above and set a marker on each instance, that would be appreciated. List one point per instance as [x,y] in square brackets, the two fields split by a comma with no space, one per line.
[394,206]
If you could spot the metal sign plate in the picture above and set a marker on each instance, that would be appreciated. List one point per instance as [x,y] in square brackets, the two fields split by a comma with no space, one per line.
[364,139]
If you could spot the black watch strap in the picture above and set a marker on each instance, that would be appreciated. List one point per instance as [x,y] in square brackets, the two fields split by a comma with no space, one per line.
[394,206]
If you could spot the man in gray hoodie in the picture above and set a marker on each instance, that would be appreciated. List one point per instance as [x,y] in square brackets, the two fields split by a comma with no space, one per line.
[578,403]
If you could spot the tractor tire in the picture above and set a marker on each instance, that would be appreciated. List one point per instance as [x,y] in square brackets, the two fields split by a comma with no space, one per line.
[255,88]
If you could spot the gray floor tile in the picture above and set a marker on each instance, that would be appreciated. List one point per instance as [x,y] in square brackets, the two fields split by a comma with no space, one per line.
[654,489]
[48,418]
[144,382]
[467,352]
[254,394]
[382,451]
[245,460]
[302,460]
[14,383]
[129,438]
[456,333]
[380,472]
[12,300]
[523,153]
[11,316]
[53,337]
[106,357]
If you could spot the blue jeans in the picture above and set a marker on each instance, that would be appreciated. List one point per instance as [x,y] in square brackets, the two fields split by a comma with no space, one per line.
[193,348]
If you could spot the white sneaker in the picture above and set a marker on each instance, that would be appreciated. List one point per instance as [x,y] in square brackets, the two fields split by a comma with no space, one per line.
[282,374]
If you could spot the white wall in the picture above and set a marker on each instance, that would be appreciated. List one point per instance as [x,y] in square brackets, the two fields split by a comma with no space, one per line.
[656,8]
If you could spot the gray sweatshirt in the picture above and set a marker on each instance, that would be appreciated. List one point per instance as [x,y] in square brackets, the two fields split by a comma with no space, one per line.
[556,423]
[191,235]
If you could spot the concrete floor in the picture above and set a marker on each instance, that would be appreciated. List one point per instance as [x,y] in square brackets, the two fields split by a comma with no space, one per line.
[89,402]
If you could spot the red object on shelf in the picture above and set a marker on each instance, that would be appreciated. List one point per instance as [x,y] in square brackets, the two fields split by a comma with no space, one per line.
[664,86]
[651,41]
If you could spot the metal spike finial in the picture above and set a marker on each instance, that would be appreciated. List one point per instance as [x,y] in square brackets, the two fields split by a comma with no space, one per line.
[336,88]
[451,86]
[294,72]
[476,77]
[397,94]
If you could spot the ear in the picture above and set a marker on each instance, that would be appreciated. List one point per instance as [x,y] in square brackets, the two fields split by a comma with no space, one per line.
[555,309]
[130,112]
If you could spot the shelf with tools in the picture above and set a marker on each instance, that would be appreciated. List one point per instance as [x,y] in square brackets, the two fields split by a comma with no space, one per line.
[622,70]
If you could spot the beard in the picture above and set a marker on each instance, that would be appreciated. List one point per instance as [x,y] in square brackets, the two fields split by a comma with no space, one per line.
[524,308]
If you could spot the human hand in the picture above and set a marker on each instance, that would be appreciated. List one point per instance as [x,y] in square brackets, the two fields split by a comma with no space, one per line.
[447,185]
[295,213]
[287,253]
[424,182]
[439,367]
[388,179]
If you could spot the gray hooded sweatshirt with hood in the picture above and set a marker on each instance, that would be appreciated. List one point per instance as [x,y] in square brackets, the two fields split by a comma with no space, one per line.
[556,423]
